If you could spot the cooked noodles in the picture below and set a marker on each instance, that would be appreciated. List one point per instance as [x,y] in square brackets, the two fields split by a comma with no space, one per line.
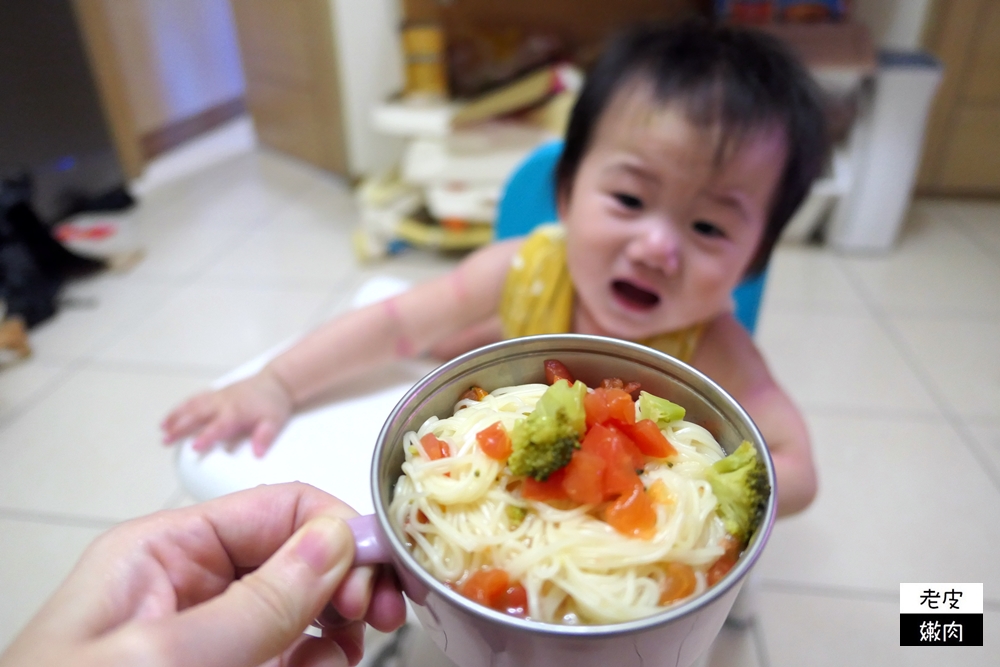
[574,567]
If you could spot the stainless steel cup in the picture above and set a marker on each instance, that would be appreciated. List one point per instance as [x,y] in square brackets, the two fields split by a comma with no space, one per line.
[474,636]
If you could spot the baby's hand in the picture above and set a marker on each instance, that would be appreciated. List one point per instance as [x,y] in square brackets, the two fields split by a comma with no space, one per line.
[258,406]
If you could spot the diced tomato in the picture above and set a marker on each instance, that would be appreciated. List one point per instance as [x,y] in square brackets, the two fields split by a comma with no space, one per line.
[606,404]
[630,388]
[435,447]
[474,393]
[495,441]
[613,445]
[491,587]
[556,370]
[632,514]
[620,405]
[679,584]
[612,383]
[584,480]
[550,489]
[486,586]
[726,561]
[596,407]
[619,479]
[649,439]
[621,456]
[514,601]
[719,569]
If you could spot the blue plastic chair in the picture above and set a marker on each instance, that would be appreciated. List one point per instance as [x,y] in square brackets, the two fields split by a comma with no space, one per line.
[528,200]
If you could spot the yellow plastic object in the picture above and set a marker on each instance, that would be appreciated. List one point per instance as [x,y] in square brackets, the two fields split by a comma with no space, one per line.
[426,233]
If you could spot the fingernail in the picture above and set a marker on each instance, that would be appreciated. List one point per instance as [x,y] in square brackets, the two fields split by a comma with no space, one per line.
[324,544]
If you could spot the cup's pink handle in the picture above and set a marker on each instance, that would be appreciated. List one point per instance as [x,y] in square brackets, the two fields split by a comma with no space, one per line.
[369,542]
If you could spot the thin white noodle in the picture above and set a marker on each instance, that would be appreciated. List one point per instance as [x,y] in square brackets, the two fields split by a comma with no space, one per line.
[575,568]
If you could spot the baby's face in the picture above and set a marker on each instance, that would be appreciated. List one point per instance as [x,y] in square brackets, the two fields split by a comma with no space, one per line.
[659,233]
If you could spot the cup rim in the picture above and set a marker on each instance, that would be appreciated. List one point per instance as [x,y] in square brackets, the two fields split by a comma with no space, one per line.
[582,343]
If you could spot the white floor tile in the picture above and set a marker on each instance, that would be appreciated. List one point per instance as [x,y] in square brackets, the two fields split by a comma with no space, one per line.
[21,382]
[287,259]
[217,327]
[734,647]
[833,632]
[229,140]
[177,251]
[979,219]
[92,447]
[987,434]
[935,270]
[413,267]
[98,310]
[843,361]
[962,358]
[179,499]
[36,557]
[804,277]
[899,500]
[327,207]
[270,175]
[985,232]
[242,205]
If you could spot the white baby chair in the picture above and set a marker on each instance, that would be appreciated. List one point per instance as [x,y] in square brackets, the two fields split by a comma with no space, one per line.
[330,446]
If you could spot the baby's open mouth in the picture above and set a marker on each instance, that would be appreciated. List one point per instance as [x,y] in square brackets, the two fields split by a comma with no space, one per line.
[634,296]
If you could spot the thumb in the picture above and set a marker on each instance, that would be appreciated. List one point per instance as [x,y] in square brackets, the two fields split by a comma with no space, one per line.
[260,615]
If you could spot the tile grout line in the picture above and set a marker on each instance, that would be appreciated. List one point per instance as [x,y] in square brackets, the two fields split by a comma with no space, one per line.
[175,497]
[165,368]
[982,245]
[829,591]
[828,410]
[946,409]
[760,642]
[195,275]
[48,389]
[74,366]
[56,519]
[253,227]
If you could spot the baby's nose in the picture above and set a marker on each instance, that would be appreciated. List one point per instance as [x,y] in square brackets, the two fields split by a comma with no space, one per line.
[658,247]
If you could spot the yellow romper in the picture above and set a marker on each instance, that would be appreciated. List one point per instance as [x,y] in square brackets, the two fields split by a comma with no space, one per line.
[538,295]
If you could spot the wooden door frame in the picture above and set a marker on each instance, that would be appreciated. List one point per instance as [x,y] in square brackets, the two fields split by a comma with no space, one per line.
[949,33]
[95,28]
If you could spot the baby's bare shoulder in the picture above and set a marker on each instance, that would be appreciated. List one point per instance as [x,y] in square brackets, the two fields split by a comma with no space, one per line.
[728,355]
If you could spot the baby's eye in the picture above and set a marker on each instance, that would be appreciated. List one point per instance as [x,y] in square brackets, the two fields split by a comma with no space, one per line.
[628,201]
[706,228]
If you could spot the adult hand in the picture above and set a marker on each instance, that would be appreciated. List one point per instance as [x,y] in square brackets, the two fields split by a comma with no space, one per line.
[233,582]
[257,406]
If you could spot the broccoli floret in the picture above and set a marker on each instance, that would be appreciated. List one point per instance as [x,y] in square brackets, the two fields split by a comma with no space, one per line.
[739,483]
[515,515]
[660,410]
[544,441]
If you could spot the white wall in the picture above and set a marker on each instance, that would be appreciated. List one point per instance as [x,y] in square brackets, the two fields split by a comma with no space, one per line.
[366,33]
[180,57]
[894,24]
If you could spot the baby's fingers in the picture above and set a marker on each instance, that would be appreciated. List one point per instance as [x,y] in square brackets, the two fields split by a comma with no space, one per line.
[187,418]
[262,437]
[220,429]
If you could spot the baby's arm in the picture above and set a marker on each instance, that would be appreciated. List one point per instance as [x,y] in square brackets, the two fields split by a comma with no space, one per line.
[345,348]
[727,354]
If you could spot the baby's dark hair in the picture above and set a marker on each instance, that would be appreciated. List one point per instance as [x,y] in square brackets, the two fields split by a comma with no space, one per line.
[738,80]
